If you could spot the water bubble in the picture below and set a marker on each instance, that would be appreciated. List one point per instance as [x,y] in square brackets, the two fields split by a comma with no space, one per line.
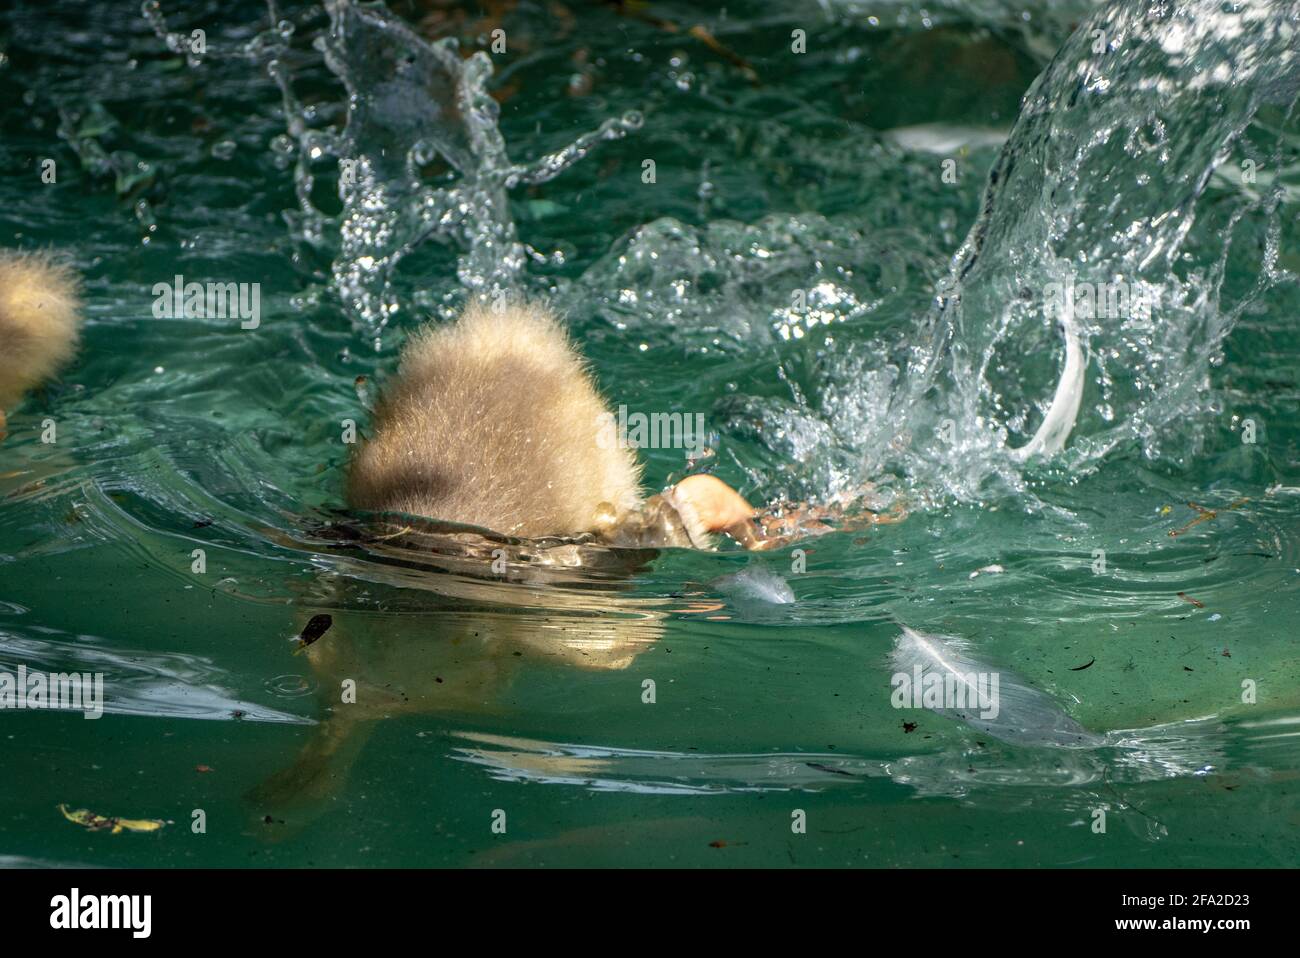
[144,213]
[423,153]
[290,686]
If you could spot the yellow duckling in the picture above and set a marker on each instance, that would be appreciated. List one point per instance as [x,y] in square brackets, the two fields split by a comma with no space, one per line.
[40,318]
[494,421]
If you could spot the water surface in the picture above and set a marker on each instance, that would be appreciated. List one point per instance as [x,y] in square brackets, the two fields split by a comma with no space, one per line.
[801,272]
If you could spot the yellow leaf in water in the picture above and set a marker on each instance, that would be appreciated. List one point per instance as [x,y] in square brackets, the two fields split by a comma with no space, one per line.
[97,823]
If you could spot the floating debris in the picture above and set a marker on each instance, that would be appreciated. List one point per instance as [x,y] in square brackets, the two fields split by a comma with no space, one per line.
[1187,598]
[317,626]
[1080,668]
[701,33]
[99,823]
[988,570]
[1205,515]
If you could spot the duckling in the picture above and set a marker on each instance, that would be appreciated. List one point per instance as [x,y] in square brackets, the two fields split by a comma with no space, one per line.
[40,319]
[494,421]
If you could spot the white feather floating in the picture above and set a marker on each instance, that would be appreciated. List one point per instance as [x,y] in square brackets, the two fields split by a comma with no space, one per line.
[939,673]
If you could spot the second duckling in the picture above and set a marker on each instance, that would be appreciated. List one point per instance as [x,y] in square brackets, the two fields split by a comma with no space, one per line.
[40,320]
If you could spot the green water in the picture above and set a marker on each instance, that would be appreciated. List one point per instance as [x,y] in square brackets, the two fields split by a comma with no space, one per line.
[477,699]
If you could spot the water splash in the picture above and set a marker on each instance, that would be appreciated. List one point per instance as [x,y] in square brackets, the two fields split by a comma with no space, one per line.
[411,104]
[1120,187]
[1105,184]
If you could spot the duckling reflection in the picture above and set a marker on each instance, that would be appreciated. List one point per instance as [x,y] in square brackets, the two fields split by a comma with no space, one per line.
[463,612]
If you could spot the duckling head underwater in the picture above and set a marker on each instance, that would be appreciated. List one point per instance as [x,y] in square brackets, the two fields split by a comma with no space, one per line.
[495,421]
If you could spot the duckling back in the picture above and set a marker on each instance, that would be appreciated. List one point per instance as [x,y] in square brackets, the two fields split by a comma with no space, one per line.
[494,421]
[40,315]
